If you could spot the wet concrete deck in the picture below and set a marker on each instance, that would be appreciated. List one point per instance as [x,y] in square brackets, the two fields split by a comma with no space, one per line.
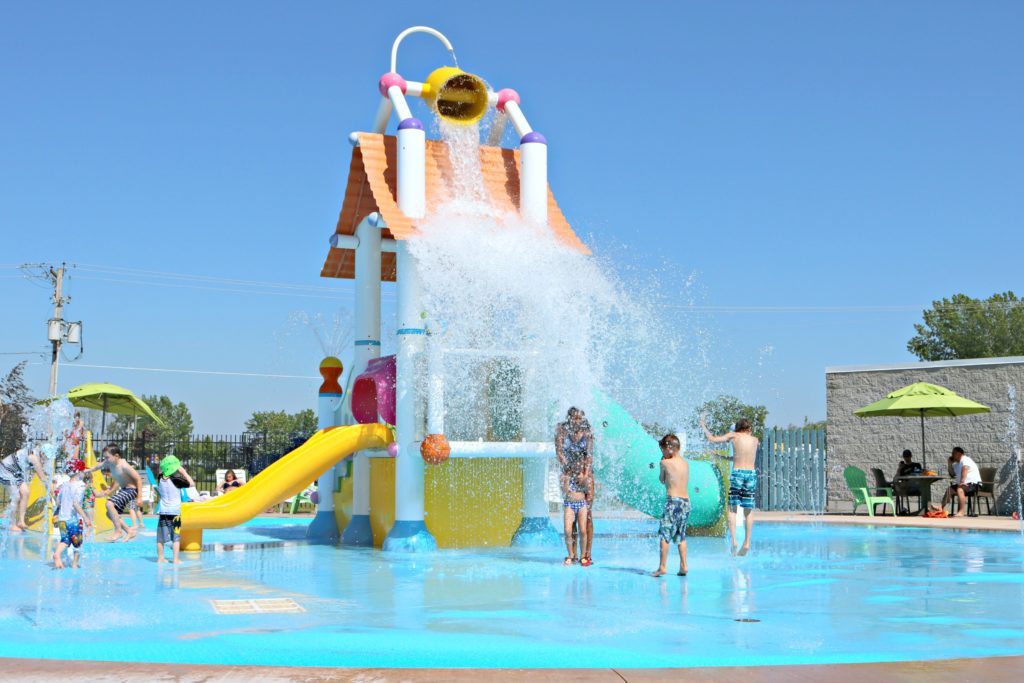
[980,523]
[991,670]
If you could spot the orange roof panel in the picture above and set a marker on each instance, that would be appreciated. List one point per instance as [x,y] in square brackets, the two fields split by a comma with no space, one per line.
[371,187]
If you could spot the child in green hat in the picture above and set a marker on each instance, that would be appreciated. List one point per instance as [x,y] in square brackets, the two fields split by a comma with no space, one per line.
[173,478]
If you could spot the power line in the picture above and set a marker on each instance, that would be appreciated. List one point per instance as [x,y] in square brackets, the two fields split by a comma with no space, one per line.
[189,372]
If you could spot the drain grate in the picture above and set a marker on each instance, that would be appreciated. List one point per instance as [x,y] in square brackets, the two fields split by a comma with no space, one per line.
[257,606]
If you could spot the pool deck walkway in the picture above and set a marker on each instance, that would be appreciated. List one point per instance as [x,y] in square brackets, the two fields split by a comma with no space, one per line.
[980,523]
[991,670]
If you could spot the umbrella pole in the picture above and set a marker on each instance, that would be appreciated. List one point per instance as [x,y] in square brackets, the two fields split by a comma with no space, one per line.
[924,456]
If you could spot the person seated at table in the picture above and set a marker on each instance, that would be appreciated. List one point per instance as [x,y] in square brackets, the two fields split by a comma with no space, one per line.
[907,466]
[966,480]
[905,489]
[230,482]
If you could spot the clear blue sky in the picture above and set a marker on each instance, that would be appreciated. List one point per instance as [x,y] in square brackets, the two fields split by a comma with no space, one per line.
[791,154]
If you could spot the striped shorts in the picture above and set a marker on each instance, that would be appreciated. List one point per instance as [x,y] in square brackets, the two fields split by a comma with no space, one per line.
[742,487]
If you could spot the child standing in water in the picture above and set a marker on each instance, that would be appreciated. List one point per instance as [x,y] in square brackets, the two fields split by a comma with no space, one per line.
[675,475]
[575,493]
[168,529]
[742,479]
[71,518]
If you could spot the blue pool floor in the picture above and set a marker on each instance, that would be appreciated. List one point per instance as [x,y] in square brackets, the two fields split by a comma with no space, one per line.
[807,594]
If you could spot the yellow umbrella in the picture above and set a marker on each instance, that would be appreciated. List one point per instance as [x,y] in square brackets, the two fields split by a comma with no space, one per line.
[922,399]
[109,398]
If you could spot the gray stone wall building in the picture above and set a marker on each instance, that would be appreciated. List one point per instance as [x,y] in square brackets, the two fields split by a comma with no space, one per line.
[878,441]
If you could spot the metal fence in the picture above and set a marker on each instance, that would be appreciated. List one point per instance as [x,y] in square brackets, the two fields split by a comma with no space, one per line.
[791,467]
[203,454]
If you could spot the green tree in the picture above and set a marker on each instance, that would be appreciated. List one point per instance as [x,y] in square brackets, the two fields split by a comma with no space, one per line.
[15,402]
[177,420]
[280,428]
[964,327]
[722,413]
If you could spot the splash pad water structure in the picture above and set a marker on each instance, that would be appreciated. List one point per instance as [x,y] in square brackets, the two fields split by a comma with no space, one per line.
[445,445]
[475,386]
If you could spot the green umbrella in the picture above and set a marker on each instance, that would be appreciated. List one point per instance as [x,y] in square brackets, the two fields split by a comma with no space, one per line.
[922,400]
[109,398]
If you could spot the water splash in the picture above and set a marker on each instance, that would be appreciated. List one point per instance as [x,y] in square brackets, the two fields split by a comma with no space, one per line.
[524,322]
[45,431]
[1013,441]
[333,334]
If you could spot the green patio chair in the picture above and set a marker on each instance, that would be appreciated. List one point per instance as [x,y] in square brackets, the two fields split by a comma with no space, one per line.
[857,482]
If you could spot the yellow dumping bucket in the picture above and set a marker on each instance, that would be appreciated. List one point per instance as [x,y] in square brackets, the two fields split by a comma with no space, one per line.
[455,95]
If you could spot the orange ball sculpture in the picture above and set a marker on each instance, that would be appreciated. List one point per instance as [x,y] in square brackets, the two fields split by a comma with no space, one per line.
[435,449]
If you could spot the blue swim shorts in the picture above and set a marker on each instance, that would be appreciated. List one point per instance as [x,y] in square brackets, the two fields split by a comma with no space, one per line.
[673,521]
[742,487]
[71,533]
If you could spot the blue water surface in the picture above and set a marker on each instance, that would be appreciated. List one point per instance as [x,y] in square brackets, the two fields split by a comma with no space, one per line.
[807,594]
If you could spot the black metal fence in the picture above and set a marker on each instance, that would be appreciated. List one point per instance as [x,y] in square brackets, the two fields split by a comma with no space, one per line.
[203,454]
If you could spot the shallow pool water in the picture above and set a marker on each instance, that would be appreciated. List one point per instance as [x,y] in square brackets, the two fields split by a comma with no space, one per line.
[808,593]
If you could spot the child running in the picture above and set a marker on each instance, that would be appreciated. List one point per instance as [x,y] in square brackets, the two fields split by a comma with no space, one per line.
[70,515]
[742,479]
[168,529]
[675,475]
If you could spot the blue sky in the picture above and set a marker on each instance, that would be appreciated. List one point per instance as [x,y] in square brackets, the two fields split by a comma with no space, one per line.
[792,154]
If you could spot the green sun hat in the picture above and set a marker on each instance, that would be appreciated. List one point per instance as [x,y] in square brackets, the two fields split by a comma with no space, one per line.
[169,465]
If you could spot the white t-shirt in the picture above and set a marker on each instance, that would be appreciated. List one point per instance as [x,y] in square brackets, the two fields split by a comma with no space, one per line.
[170,498]
[972,475]
[71,492]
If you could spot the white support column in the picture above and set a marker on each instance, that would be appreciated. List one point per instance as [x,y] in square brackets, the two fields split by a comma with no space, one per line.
[324,527]
[533,178]
[533,159]
[535,528]
[409,532]
[367,347]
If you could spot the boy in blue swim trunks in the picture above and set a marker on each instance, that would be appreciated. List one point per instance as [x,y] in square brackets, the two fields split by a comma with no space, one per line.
[70,516]
[742,480]
[675,476]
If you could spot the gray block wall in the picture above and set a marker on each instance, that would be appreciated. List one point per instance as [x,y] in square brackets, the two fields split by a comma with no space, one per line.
[879,441]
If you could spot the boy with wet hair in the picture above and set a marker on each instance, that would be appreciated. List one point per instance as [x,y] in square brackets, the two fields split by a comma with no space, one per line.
[127,484]
[742,479]
[675,476]
[71,518]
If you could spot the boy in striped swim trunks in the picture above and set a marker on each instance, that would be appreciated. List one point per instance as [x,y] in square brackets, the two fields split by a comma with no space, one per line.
[127,484]
[742,479]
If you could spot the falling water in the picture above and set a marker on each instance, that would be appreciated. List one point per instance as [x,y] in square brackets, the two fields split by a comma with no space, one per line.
[526,323]
[44,431]
[1013,441]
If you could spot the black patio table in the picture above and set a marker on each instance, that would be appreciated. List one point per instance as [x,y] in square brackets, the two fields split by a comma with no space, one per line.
[924,485]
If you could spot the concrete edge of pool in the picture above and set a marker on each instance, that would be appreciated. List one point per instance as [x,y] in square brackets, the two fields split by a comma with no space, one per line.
[937,671]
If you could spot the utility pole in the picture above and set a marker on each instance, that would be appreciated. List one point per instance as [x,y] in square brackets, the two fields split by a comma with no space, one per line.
[56,326]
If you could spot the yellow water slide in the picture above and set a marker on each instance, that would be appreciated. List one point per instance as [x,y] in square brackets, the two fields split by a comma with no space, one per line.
[282,480]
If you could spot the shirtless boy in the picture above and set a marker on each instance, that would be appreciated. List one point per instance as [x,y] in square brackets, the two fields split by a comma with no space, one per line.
[675,475]
[742,479]
[127,485]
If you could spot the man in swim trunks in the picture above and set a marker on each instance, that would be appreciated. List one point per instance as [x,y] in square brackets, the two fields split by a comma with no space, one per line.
[127,484]
[675,475]
[742,479]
